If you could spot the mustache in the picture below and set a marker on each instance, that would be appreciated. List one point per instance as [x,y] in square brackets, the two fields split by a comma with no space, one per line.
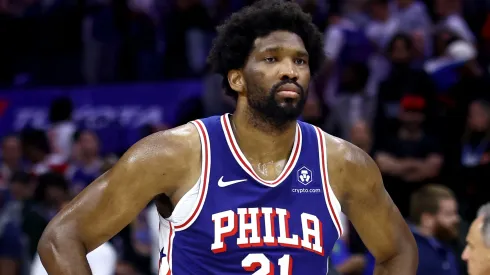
[276,86]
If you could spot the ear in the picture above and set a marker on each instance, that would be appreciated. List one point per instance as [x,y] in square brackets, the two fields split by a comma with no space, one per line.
[236,81]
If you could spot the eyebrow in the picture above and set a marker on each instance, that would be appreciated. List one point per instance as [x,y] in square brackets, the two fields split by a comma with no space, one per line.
[299,53]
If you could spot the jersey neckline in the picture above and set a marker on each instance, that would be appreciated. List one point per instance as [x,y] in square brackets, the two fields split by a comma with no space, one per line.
[245,164]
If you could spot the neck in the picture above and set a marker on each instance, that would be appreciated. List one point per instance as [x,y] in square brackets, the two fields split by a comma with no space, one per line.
[254,133]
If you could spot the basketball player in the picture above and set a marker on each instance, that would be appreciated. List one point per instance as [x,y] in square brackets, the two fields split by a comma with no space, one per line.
[255,192]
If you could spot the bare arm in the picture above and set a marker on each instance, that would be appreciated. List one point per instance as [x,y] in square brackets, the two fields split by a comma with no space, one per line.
[390,165]
[357,183]
[153,166]
[426,168]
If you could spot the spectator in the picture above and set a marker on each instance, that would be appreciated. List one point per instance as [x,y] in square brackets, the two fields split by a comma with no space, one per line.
[411,157]
[352,104]
[133,40]
[459,81]
[475,156]
[185,30]
[33,223]
[403,79]
[345,44]
[415,22]
[344,261]
[380,30]
[141,241]
[52,194]
[11,254]
[450,18]
[88,165]
[10,159]
[455,69]
[214,100]
[361,136]
[477,251]
[434,213]
[62,127]
[37,151]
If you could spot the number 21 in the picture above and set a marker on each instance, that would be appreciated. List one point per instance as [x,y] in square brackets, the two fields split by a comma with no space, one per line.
[259,260]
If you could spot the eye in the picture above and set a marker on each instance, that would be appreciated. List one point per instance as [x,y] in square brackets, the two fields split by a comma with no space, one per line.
[300,61]
[270,59]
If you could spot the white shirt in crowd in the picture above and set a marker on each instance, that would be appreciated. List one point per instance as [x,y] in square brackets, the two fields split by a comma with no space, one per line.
[458,25]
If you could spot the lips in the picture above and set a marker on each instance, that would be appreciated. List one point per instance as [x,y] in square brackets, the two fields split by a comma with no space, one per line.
[289,88]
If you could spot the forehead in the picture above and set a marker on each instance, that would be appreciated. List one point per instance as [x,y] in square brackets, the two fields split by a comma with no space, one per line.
[447,203]
[279,40]
[474,234]
[87,135]
[10,140]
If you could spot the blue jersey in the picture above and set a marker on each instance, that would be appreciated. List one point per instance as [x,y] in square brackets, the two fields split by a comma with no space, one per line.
[242,224]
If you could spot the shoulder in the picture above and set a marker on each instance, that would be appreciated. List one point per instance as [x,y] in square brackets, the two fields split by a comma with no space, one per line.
[178,142]
[164,162]
[164,155]
[350,169]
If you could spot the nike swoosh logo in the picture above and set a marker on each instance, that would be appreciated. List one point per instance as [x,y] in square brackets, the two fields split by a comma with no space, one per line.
[222,183]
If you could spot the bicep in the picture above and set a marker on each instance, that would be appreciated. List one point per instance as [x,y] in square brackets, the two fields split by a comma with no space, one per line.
[105,207]
[373,213]
[113,200]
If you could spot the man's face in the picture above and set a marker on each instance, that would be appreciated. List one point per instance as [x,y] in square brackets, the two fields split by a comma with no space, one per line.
[88,143]
[412,120]
[11,150]
[400,53]
[276,77]
[447,220]
[476,253]
[21,190]
[477,117]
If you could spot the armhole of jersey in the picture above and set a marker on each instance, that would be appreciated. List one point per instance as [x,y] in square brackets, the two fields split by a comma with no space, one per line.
[331,200]
[204,179]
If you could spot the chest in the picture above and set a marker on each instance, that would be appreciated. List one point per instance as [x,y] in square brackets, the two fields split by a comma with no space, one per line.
[240,213]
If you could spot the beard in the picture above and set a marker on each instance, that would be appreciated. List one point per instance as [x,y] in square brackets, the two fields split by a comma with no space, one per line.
[411,125]
[446,233]
[268,109]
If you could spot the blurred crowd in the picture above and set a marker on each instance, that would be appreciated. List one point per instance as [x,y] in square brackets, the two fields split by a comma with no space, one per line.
[407,81]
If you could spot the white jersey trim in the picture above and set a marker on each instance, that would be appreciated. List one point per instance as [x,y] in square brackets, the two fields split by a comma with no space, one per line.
[203,180]
[245,164]
[331,200]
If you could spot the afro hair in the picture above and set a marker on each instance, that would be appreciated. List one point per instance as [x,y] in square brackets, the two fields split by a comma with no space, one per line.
[236,36]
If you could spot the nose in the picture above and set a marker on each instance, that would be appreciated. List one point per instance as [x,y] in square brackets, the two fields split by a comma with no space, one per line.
[288,71]
[465,254]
